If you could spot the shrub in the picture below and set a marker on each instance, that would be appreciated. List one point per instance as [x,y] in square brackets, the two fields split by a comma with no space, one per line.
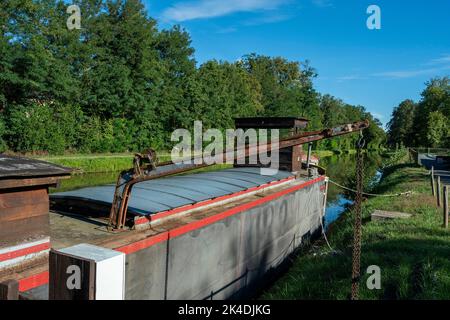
[123,131]
[33,128]
[90,137]
[50,128]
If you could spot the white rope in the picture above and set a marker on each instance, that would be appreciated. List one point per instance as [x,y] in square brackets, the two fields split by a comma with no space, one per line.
[373,194]
[364,193]
[325,237]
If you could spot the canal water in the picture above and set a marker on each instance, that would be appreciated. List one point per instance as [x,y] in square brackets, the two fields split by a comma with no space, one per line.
[340,168]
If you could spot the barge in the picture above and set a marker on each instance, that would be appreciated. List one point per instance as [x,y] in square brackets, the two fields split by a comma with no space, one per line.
[204,235]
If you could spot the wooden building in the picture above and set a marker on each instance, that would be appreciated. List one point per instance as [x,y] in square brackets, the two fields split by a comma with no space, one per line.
[24,209]
[290,158]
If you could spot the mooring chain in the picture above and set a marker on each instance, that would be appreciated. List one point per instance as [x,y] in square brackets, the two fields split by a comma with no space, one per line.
[356,262]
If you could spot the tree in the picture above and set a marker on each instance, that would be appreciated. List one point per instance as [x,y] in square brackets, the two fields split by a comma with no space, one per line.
[177,95]
[227,91]
[286,86]
[435,97]
[121,84]
[121,77]
[438,129]
[401,125]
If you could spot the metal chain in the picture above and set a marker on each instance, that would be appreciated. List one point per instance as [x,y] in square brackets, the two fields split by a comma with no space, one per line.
[356,263]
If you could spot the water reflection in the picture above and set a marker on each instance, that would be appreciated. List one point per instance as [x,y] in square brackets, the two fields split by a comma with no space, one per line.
[86,180]
[341,169]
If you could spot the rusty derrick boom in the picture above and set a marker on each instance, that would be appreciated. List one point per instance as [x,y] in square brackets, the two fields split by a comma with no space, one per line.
[145,169]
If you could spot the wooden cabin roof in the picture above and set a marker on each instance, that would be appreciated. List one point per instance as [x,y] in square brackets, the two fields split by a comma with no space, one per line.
[271,123]
[17,172]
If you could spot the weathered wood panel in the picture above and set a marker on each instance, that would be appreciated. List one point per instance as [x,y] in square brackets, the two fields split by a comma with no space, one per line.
[13,232]
[24,212]
[381,215]
[29,182]
[16,167]
[58,265]
[289,159]
[270,122]
[9,290]
[23,215]
[22,197]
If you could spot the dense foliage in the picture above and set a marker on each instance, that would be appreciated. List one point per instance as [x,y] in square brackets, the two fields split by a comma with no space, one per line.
[426,123]
[121,84]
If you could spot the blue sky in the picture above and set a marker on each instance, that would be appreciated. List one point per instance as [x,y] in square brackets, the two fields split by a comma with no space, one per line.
[374,68]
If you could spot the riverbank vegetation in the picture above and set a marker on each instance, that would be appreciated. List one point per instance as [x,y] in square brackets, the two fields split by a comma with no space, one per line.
[425,123]
[97,163]
[121,84]
[412,253]
[115,162]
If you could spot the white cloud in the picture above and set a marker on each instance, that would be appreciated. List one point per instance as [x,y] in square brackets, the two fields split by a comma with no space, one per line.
[201,9]
[322,3]
[433,66]
[274,18]
[377,115]
[403,74]
[350,77]
[444,59]
[227,30]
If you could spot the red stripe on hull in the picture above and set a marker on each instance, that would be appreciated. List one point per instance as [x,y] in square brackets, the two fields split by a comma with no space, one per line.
[33,281]
[24,251]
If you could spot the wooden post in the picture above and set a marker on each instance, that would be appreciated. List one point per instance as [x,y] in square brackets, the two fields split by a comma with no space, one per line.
[445,206]
[308,157]
[432,181]
[438,191]
[9,290]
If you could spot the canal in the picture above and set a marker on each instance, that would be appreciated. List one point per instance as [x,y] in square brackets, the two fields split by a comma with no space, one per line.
[341,169]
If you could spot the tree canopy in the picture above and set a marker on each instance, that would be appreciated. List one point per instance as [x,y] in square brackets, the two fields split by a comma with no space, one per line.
[426,123]
[121,84]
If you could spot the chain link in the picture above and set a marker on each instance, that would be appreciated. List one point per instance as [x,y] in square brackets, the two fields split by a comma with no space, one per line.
[356,261]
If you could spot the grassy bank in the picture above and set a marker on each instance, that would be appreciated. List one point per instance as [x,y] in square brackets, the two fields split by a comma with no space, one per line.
[101,163]
[323,153]
[413,254]
[329,153]
[96,163]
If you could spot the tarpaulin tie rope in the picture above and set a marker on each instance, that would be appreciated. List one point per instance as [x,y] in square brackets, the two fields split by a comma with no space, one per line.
[326,238]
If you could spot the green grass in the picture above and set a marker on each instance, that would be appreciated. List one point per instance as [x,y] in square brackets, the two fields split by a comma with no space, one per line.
[413,254]
[96,163]
[107,162]
[329,153]
[86,180]
[323,153]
